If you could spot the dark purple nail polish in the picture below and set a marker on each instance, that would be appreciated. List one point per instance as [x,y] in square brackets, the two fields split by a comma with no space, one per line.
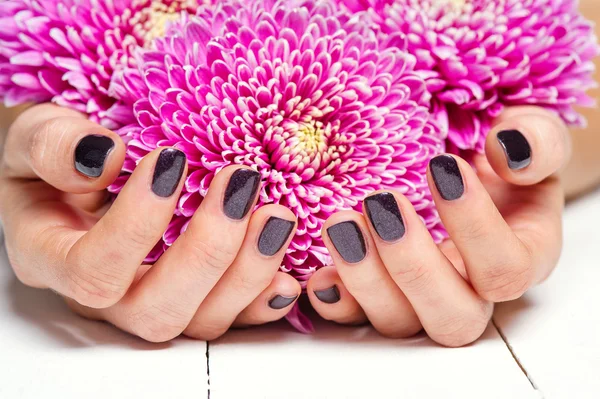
[447,178]
[329,295]
[280,302]
[384,214]
[167,172]
[91,154]
[516,148]
[348,241]
[240,193]
[274,235]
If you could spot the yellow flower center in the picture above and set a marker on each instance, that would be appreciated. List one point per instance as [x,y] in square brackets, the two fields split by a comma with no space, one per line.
[153,20]
[310,136]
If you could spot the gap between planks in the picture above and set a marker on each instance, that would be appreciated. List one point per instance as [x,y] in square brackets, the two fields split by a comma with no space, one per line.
[516,358]
[208,369]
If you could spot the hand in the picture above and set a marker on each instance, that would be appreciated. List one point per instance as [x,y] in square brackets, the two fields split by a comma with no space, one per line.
[62,234]
[505,233]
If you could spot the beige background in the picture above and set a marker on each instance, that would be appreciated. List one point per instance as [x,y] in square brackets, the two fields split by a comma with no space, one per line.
[584,171]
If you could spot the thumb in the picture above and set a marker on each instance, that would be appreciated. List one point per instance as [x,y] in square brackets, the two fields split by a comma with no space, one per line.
[527,145]
[62,148]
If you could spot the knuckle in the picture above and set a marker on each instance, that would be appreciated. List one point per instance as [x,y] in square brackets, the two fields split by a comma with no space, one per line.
[209,259]
[141,234]
[413,276]
[157,323]
[98,290]
[460,331]
[506,281]
[476,230]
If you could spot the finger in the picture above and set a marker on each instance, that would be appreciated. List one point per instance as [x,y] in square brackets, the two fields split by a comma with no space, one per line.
[102,264]
[527,145]
[332,301]
[64,149]
[273,303]
[51,246]
[499,264]
[160,306]
[354,253]
[450,311]
[269,234]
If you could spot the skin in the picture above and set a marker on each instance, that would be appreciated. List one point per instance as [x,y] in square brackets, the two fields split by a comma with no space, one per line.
[505,236]
[61,234]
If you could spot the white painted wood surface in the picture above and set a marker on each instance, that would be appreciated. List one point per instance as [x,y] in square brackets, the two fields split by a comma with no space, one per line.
[554,331]
[555,328]
[338,362]
[47,352]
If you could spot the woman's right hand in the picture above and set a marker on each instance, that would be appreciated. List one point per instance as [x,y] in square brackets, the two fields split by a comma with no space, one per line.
[62,234]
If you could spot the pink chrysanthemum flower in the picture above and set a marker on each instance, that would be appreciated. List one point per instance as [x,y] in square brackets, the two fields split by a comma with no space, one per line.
[481,55]
[66,51]
[297,91]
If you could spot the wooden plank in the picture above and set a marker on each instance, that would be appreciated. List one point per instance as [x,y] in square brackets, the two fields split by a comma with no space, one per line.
[555,329]
[47,352]
[274,362]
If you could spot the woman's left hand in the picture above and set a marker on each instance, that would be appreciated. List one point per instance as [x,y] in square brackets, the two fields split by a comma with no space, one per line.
[504,218]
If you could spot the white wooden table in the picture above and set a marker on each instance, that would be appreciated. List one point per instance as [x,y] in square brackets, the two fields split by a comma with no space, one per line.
[544,345]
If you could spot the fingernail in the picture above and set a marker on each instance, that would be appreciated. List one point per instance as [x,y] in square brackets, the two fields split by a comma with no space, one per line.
[348,241]
[240,193]
[91,154]
[329,296]
[274,235]
[384,213]
[447,178]
[280,301]
[516,147]
[167,172]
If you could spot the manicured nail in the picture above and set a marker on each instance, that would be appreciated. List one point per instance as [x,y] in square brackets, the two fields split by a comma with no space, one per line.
[329,296]
[348,241]
[280,301]
[274,235]
[447,178]
[167,172]
[240,193]
[516,147]
[384,213]
[91,154]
